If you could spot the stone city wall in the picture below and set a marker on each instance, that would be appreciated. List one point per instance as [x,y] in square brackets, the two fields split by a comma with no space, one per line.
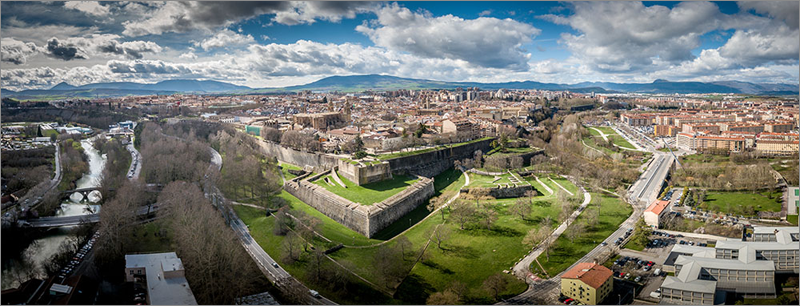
[364,219]
[298,158]
[504,192]
[430,164]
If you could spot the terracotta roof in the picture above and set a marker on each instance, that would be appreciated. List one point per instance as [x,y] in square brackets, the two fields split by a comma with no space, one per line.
[589,273]
[657,207]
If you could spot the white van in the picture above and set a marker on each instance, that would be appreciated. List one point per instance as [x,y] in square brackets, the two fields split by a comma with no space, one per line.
[657,272]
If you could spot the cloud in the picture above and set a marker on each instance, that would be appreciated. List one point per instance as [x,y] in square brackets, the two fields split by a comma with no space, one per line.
[225,38]
[783,10]
[755,47]
[188,55]
[89,7]
[307,12]
[627,36]
[485,42]
[16,52]
[485,13]
[58,50]
[181,17]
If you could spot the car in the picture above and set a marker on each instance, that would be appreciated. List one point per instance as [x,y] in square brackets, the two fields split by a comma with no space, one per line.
[637,279]
[646,268]
[604,243]
[562,299]
[656,294]
[314,293]
[657,272]
[568,300]
[622,274]
[616,274]
[683,242]
[275,264]
[138,299]
[627,276]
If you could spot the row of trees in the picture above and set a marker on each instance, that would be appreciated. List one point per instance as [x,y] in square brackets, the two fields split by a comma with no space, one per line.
[167,159]
[726,176]
[24,169]
[118,162]
[301,141]
[246,174]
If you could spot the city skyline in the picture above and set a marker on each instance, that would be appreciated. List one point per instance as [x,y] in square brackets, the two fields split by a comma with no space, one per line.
[274,44]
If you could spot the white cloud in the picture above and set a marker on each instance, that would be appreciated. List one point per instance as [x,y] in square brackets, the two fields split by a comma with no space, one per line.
[625,36]
[307,12]
[783,10]
[485,42]
[89,7]
[188,56]
[754,47]
[485,13]
[16,52]
[225,38]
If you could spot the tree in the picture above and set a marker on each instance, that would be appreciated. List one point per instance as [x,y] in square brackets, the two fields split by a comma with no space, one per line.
[439,202]
[566,212]
[531,194]
[462,212]
[495,284]
[404,245]
[488,215]
[592,216]
[459,288]
[359,154]
[441,234]
[534,237]
[390,264]
[575,231]
[521,208]
[291,251]
[443,298]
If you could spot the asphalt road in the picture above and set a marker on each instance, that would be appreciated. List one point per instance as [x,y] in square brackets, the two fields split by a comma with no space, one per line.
[32,197]
[136,162]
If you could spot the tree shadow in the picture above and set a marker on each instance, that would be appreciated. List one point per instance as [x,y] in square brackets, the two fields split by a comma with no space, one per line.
[436,266]
[414,290]
[462,251]
[496,230]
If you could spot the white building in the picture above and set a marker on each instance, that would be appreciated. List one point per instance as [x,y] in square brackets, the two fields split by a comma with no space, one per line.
[792,200]
[164,277]
[656,213]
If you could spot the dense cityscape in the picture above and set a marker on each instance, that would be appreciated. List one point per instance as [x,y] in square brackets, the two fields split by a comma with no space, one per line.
[353,187]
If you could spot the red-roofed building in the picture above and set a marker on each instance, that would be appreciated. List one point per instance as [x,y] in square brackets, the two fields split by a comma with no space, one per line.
[588,283]
[655,214]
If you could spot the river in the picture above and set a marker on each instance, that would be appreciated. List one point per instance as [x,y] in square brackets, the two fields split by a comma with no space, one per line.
[42,248]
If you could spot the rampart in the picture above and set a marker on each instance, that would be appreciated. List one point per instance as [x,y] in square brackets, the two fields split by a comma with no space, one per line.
[430,164]
[364,173]
[299,158]
[503,191]
[364,219]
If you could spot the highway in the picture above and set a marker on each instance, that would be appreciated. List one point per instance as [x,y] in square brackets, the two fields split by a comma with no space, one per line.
[77,219]
[136,162]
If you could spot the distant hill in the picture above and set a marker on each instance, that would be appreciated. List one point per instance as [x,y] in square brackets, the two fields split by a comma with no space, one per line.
[359,83]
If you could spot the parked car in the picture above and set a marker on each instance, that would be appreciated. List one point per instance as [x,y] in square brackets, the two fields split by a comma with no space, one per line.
[656,294]
[637,279]
[657,272]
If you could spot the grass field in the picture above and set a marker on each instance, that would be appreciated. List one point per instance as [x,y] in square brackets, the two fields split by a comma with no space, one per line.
[792,219]
[477,180]
[147,241]
[737,202]
[564,253]
[620,141]
[368,194]
[566,183]
[606,129]
[286,167]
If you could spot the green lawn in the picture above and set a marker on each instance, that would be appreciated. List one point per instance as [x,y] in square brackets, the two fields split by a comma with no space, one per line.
[566,183]
[146,241]
[606,129]
[368,194]
[792,219]
[286,167]
[633,245]
[564,253]
[620,141]
[477,180]
[737,202]
[592,131]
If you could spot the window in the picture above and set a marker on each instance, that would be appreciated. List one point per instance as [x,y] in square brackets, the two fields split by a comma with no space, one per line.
[131,272]
[797,191]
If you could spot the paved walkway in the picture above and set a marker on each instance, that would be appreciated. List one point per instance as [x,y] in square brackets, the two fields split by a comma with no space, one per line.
[522,268]
[562,187]
[696,235]
[543,184]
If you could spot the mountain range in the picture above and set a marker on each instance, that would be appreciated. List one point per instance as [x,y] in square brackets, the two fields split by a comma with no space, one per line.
[358,83]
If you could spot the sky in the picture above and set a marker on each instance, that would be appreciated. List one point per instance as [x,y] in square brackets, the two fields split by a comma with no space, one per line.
[276,44]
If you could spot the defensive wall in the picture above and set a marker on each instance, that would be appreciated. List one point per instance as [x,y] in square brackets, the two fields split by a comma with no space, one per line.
[364,172]
[501,192]
[430,164]
[364,219]
[299,158]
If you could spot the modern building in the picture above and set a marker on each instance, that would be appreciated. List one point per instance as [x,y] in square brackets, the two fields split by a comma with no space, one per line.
[656,213]
[162,275]
[320,121]
[588,283]
[735,267]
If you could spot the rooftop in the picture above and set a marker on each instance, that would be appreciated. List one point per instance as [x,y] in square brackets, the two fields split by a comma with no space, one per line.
[657,207]
[162,290]
[591,274]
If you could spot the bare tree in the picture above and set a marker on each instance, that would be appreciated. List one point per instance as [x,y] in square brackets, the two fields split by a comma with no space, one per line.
[521,208]
[404,244]
[440,235]
[390,265]
[462,212]
[291,251]
[443,298]
[488,215]
[575,231]
[495,284]
[531,194]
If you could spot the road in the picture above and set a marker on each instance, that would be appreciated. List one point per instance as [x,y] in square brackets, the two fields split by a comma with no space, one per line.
[647,187]
[32,197]
[78,219]
[136,162]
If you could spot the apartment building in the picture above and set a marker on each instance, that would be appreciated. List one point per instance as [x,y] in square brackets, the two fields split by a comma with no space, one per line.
[656,213]
[703,142]
[163,276]
[588,283]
